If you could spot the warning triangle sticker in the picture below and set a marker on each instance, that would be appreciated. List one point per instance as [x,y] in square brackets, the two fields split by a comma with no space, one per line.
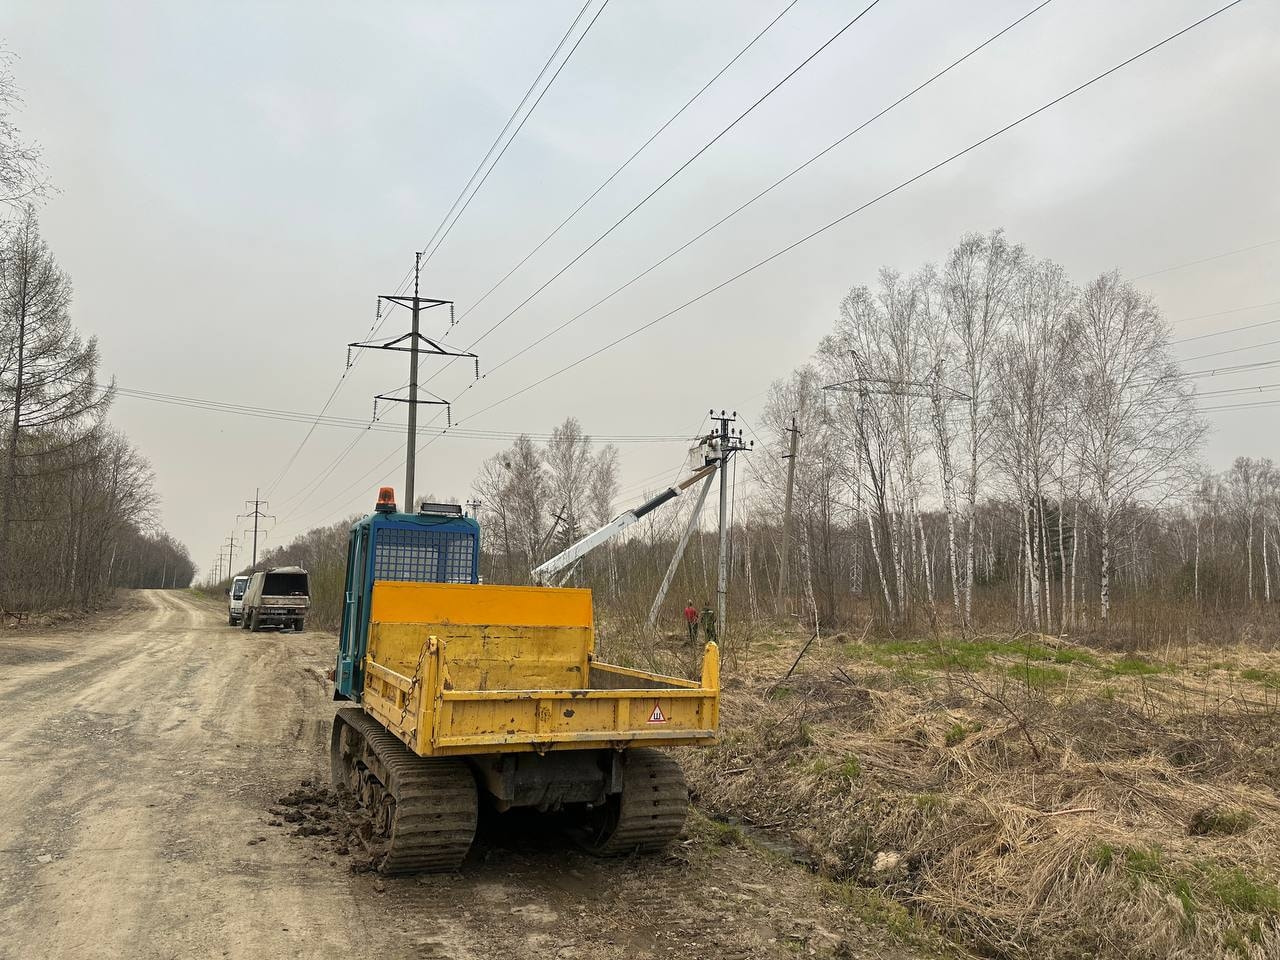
[657,716]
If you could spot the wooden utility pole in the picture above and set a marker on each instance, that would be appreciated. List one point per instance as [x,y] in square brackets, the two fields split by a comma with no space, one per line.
[784,574]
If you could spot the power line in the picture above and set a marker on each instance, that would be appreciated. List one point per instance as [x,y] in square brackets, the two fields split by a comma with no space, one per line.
[429,253]
[859,209]
[1256,388]
[1220,333]
[680,169]
[627,162]
[653,192]
[350,423]
[1216,256]
[1241,406]
[1219,353]
[773,186]
[401,286]
[1223,313]
[507,126]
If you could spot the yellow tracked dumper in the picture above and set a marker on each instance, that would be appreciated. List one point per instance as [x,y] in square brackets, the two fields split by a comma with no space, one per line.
[466,691]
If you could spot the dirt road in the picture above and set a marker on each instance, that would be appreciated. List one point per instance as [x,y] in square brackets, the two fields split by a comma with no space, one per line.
[140,756]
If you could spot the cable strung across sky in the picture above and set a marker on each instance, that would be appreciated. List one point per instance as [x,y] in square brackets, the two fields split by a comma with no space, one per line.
[859,209]
[404,282]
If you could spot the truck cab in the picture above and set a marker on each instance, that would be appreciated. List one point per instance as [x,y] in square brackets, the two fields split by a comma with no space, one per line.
[235,599]
[436,545]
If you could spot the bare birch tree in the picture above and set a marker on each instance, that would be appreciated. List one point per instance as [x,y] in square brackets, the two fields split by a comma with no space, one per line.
[1138,428]
[978,283]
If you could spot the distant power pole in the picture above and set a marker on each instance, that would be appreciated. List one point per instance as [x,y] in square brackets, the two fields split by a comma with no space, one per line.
[417,344]
[784,574]
[230,546]
[257,514]
[728,443]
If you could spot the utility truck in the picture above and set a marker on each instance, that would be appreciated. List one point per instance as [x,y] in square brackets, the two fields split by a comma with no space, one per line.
[279,597]
[464,691]
[235,599]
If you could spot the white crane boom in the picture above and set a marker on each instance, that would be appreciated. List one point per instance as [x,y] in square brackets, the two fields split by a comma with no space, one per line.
[543,574]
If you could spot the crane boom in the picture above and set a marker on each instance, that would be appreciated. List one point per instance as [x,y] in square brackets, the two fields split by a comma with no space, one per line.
[543,574]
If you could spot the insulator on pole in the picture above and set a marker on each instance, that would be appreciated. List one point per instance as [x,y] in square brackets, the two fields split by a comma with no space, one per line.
[477,359]
[451,320]
[375,409]
[348,358]
[448,416]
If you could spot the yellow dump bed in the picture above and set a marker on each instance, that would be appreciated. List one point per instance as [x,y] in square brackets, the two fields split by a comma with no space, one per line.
[474,668]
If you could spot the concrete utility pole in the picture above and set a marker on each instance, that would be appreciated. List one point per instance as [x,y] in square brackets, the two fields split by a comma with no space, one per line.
[784,574]
[728,444]
[417,345]
[257,515]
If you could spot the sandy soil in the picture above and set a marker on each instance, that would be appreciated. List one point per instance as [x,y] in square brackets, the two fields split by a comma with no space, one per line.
[142,752]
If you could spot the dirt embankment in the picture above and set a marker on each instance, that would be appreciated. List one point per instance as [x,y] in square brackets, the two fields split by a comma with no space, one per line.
[141,774]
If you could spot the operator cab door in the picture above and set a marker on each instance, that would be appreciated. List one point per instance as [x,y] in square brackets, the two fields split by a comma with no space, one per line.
[350,670]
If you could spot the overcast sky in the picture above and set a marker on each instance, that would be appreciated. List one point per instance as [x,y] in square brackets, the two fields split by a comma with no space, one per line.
[238,181]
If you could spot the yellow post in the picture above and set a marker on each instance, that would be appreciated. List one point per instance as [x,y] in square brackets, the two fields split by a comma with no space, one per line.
[711,679]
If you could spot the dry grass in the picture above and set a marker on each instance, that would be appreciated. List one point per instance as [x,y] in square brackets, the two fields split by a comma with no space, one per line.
[1034,798]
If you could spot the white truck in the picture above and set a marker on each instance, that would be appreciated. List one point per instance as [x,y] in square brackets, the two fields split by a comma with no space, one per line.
[278,597]
[235,599]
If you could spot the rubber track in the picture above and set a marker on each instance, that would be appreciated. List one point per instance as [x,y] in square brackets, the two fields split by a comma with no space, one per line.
[436,802]
[652,808]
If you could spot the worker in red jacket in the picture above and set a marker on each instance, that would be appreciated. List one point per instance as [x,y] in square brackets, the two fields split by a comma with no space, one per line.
[691,620]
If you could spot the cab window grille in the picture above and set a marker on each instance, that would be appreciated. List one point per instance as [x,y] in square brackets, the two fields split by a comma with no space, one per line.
[422,556]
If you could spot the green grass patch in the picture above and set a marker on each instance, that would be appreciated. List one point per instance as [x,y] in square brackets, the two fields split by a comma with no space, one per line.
[725,834]
[876,909]
[1075,656]
[929,802]
[970,655]
[1103,856]
[1268,678]
[1193,885]
[955,735]
[1132,666]
[1220,821]
[851,768]
[1144,863]
[1038,677]
[1236,890]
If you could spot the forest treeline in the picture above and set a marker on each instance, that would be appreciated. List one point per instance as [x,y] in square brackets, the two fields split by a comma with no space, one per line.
[77,501]
[983,443]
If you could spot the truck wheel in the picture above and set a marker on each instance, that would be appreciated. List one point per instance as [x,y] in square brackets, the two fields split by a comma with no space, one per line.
[244,620]
[297,625]
[253,622]
[231,621]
